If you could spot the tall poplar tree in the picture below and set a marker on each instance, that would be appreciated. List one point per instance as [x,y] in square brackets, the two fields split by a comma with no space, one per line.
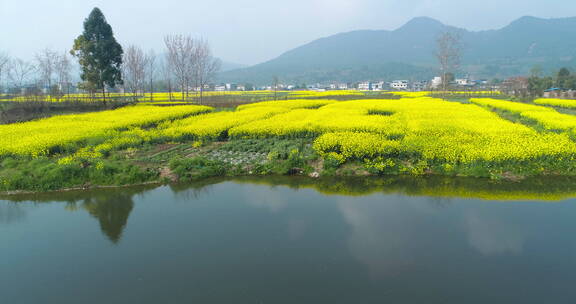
[98,53]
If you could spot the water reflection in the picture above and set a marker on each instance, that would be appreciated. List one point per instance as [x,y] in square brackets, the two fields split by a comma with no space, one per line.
[296,229]
[493,235]
[293,240]
[266,197]
[11,213]
[441,188]
[112,207]
[383,232]
[112,213]
[196,190]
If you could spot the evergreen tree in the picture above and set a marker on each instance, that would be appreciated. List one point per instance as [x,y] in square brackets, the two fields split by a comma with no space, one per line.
[99,55]
[563,78]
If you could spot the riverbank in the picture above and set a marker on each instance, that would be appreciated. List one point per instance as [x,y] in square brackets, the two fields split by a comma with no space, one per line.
[160,163]
[195,161]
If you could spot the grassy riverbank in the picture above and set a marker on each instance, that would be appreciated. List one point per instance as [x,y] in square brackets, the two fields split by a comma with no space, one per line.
[162,163]
[188,161]
[314,137]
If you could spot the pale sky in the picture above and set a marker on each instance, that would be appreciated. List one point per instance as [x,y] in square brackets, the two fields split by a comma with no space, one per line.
[246,31]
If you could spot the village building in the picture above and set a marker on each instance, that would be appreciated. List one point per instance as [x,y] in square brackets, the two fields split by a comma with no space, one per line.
[399,84]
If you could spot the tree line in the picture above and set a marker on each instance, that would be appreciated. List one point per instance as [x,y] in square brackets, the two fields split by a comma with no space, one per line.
[49,69]
[187,65]
[563,80]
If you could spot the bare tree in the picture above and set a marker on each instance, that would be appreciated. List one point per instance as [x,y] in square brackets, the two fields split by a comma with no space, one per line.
[448,53]
[151,71]
[180,55]
[4,65]
[63,68]
[275,84]
[166,70]
[134,63]
[205,65]
[20,72]
[46,64]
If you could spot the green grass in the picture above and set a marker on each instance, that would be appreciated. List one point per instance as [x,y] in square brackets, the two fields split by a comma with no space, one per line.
[45,174]
[137,165]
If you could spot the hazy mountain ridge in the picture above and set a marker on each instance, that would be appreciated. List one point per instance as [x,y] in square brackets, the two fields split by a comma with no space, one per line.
[408,52]
[228,66]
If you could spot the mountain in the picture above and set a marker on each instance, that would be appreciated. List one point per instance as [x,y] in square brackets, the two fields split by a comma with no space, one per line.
[224,64]
[228,66]
[408,53]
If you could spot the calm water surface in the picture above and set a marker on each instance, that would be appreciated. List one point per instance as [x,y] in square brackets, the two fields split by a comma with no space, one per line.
[386,241]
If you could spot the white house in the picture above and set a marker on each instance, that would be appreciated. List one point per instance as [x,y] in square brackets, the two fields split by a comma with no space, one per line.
[231,87]
[364,86]
[342,86]
[378,86]
[463,82]
[419,85]
[436,82]
[399,84]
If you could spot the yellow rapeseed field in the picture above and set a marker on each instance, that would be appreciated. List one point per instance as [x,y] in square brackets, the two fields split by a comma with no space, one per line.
[65,131]
[432,129]
[546,117]
[563,103]
[382,134]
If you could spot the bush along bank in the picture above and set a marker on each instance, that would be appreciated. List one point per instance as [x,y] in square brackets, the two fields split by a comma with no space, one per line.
[193,161]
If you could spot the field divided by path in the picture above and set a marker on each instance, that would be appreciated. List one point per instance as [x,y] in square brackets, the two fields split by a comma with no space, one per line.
[407,135]
[545,117]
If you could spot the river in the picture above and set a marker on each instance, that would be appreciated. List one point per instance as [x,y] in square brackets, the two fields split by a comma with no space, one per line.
[291,240]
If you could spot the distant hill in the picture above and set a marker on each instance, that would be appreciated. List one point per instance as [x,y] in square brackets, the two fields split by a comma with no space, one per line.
[408,53]
[224,65]
[228,66]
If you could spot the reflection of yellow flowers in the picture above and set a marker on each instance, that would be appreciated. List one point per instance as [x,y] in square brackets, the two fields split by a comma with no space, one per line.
[484,189]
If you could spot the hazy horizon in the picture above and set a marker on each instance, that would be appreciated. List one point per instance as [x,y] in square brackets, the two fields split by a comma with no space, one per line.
[245,32]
